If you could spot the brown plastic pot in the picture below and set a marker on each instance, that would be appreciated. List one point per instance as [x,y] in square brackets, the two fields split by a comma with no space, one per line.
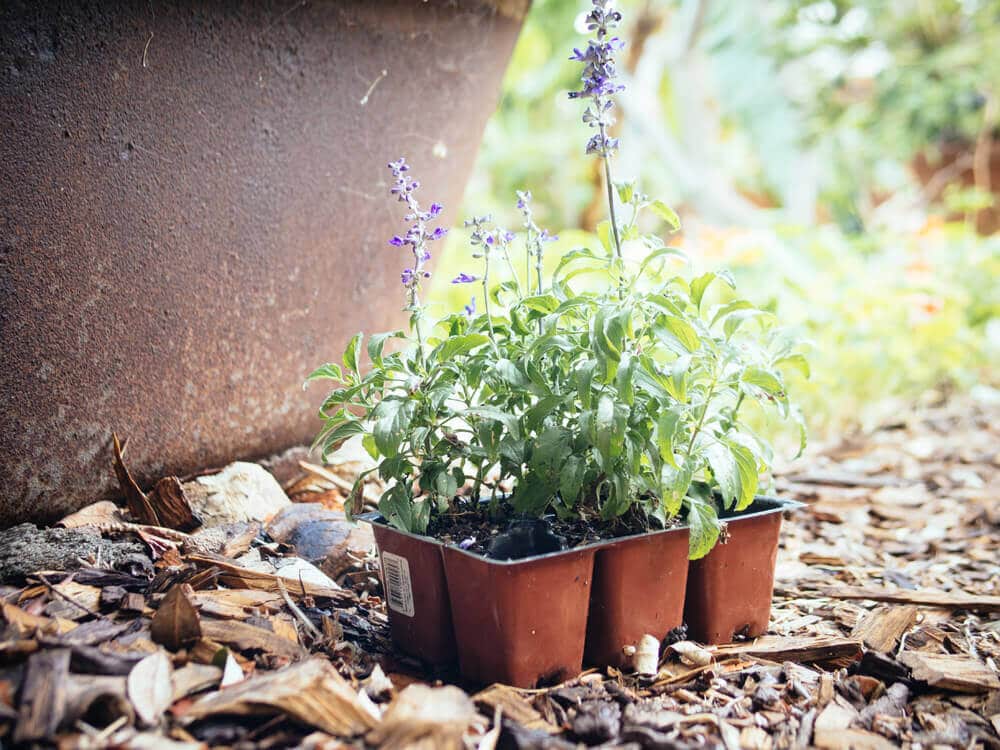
[416,593]
[729,590]
[520,622]
[639,585]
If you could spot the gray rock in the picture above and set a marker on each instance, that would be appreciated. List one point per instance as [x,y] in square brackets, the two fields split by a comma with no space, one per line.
[26,549]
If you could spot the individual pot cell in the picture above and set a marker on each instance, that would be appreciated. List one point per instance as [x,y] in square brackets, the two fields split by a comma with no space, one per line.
[638,588]
[416,594]
[729,590]
[520,622]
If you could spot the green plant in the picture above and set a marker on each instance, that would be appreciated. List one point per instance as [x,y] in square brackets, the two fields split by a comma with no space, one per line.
[591,401]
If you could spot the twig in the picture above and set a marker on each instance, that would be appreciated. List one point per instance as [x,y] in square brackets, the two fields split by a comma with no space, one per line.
[69,599]
[299,614]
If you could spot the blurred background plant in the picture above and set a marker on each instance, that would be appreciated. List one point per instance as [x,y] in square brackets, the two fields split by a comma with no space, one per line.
[842,159]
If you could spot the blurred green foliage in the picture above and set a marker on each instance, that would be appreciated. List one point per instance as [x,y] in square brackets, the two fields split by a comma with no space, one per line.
[782,133]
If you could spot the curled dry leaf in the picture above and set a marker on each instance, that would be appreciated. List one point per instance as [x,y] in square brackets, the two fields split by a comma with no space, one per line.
[692,654]
[97,514]
[176,623]
[426,717]
[150,688]
[312,692]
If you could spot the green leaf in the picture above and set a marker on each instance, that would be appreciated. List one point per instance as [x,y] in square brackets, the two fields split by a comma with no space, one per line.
[329,371]
[511,374]
[496,415]
[624,378]
[399,508]
[377,342]
[699,286]
[735,470]
[724,310]
[604,234]
[571,480]
[661,252]
[674,486]
[626,190]
[332,439]
[392,418]
[703,522]
[584,375]
[352,351]
[680,330]
[666,429]
[457,345]
[763,379]
[666,213]
[543,303]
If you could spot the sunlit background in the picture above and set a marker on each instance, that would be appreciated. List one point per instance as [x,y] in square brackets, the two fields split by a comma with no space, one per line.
[842,159]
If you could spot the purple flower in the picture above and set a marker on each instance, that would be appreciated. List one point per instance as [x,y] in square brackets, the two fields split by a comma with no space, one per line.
[546,237]
[466,543]
[599,72]
[464,278]
[470,309]
[418,234]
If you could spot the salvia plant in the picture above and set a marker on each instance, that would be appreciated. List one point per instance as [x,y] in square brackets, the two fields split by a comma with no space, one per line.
[590,404]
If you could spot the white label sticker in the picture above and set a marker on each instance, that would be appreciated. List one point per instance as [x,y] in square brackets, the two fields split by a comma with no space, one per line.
[398,590]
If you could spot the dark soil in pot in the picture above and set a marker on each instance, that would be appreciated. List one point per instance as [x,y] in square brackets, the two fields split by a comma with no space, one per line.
[476,530]
[729,590]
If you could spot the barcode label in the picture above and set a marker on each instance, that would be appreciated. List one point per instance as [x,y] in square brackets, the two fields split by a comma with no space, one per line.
[398,592]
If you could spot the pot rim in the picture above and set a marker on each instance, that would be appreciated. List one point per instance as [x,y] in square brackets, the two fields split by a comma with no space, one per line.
[776,505]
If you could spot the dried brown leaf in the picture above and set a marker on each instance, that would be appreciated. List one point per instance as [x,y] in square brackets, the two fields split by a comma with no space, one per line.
[176,623]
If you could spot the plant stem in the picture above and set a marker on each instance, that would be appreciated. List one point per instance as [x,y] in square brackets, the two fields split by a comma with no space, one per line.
[704,412]
[486,301]
[611,209]
[513,273]
[415,318]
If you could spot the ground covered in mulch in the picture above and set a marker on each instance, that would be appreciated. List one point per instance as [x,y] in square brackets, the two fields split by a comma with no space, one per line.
[121,629]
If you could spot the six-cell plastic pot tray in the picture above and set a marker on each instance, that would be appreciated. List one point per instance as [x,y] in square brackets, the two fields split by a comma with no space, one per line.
[538,620]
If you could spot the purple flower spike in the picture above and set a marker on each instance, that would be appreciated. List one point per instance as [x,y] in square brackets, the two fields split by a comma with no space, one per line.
[470,309]
[599,72]
[418,233]
[464,278]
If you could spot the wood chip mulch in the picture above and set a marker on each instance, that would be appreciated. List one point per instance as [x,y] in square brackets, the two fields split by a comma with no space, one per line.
[885,629]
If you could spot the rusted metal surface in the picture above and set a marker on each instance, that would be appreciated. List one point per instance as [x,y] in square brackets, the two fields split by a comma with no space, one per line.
[195,214]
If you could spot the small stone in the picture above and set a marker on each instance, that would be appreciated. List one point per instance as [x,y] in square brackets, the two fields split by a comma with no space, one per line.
[240,492]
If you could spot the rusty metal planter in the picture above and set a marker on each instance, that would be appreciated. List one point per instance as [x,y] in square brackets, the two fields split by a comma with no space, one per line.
[729,590]
[195,214]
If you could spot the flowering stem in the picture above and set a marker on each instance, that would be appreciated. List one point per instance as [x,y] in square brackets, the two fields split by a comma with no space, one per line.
[486,301]
[415,318]
[513,273]
[611,210]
